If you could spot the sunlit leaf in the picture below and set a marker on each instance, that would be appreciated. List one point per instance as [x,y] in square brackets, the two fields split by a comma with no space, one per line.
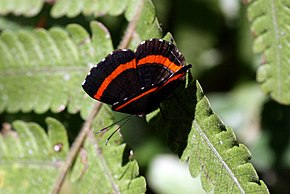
[21,7]
[30,159]
[42,70]
[270,26]
[213,151]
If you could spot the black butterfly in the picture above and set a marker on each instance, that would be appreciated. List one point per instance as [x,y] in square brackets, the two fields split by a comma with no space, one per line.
[136,82]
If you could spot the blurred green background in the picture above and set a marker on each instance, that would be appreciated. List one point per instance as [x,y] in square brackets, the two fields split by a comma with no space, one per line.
[215,38]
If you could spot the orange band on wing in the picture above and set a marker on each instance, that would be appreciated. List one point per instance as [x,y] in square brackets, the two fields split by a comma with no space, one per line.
[179,76]
[121,68]
[136,98]
[161,60]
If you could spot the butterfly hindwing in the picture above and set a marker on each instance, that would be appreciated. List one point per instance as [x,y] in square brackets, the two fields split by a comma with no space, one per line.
[157,60]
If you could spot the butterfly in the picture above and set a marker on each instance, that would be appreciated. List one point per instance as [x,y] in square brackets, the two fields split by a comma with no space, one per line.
[137,82]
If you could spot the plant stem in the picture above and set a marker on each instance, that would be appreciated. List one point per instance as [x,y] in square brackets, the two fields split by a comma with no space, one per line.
[75,148]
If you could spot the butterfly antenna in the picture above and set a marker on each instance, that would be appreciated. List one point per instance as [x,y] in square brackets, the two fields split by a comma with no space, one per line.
[126,120]
[106,128]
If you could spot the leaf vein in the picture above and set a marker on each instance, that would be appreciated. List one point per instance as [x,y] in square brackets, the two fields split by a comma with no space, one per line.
[216,153]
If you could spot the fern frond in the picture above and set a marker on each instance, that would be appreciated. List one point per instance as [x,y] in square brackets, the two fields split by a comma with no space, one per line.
[103,172]
[213,151]
[29,159]
[270,25]
[101,168]
[41,70]
[148,25]
[72,8]
[21,7]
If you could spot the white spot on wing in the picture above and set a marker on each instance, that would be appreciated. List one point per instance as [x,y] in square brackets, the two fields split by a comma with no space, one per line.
[84,82]
[143,42]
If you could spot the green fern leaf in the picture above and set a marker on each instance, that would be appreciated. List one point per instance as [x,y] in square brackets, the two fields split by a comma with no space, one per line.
[41,70]
[105,168]
[270,24]
[30,158]
[148,25]
[103,172]
[212,150]
[7,24]
[20,7]
[72,8]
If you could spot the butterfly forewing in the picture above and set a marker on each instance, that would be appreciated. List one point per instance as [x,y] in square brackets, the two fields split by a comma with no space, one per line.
[114,78]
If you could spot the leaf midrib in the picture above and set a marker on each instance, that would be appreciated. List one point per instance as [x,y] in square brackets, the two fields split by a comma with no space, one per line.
[24,163]
[277,41]
[36,71]
[218,156]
